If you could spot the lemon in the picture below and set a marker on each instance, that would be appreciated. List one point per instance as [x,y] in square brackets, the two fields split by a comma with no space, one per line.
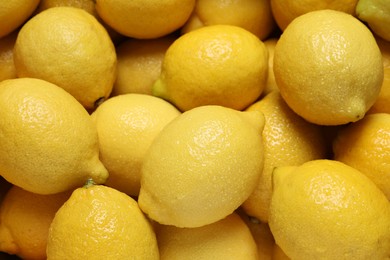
[288,140]
[325,209]
[139,64]
[365,145]
[13,13]
[202,166]
[127,125]
[254,16]
[376,13]
[285,11]
[48,141]
[99,222]
[67,46]
[228,238]
[215,65]
[24,226]
[7,67]
[328,67]
[145,19]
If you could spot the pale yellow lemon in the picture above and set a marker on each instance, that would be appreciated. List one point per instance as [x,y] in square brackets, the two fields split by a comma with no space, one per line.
[325,209]
[215,65]
[70,48]
[328,67]
[7,67]
[127,125]
[228,238]
[139,64]
[99,222]
[202,166]
[285,11]
[13,13]
[252,15]
[365,145]
[25,218]
[48,141]
[288,140]
[376,13]
[145,19]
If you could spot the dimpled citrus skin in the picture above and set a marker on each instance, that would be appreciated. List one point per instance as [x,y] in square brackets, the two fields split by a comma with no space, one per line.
[328,67]
[202,166]
[70,48]
[99,222]
[48,141]
[215,65]
[325,209]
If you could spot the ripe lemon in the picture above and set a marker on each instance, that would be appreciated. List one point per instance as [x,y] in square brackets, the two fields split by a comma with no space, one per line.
[215,65]
[145,19]
[25,219]
[228,238]
[13,13]
[70,48]
[382,103]
[365,145]
[202,166]
[48,141]
[325,209]
[254,16]
[99,222]
[7,67]
[376,13]
[285,11]
[127,125]
[139,64]
[288,140]
[328,67]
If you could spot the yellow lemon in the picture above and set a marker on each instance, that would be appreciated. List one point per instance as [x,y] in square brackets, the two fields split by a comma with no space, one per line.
[127,125]
[365,145]
[48,141]
[139,64]
[13,13]
[328,67]
[70,48]
[228,238]
[145,19]
[252,15]
[7,67]
[376,13]
[25,219]
[202,166]
[325,209]
[288,140]
[99,222]
[215,65]
[285,11]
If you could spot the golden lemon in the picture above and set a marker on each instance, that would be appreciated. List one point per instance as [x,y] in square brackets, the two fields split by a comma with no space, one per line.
[48,141]
[202,166]
[328,67]
[325,209]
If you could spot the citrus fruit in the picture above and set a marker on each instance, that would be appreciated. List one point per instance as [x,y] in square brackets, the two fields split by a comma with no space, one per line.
[202,166]
[215,65]
[325,209]
[288,140]
[365,145]
[67,46]
[48,141]
[328,67]
[127,125]
[145,19]
[376,13]
[139,64]
[25,218]
[254,16]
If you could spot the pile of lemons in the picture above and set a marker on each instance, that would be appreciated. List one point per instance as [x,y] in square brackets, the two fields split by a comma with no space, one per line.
[195,129]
